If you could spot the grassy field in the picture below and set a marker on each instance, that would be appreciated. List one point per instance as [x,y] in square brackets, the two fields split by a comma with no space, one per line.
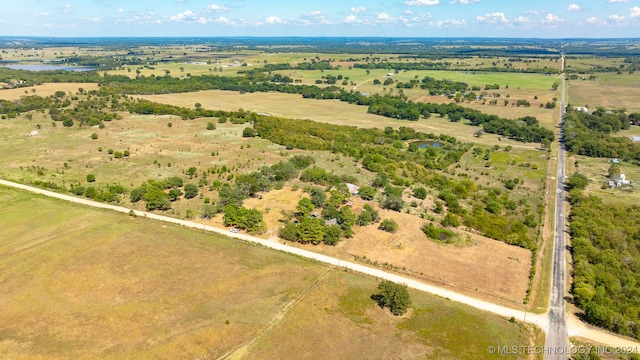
[609,90]
[329,111]
[82,283]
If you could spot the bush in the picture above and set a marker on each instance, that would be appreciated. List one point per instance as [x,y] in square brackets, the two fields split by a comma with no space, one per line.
[190,191]
[388,225]
[420,193]
[211,126]
[367,192]
[248,132]
[94,136]
[91,178]
[393,296]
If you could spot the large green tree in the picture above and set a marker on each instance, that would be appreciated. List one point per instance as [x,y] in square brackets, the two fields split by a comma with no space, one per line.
[393,296]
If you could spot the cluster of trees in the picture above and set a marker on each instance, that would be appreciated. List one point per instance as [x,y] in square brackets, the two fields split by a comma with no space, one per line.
[158,195]
[109,193]
[435,87]
[591,134]
[381,151]
[606,271]
[248,219]
[334,223]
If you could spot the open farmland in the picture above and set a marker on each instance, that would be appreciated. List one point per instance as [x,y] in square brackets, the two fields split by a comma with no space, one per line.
[609,90]
[89,283]
[328,111]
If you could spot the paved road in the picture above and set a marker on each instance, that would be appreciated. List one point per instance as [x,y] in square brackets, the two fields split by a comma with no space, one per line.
[538,320]
[557,341]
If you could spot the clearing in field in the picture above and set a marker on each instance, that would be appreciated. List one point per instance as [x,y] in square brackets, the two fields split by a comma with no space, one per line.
[83,283]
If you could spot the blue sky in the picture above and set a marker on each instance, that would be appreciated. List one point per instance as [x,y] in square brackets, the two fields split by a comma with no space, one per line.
[414,18]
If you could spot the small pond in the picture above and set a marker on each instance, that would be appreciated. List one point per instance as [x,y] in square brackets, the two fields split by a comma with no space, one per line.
[425,144]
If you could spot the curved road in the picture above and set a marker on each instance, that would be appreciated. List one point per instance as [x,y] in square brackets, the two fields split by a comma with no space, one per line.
[536,319]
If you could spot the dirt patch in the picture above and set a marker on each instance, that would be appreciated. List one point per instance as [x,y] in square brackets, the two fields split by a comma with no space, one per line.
[487,269]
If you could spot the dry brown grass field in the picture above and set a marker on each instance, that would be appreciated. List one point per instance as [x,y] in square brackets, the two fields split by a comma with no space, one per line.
[44,90]
[482,267]
[328,111]
[84,283]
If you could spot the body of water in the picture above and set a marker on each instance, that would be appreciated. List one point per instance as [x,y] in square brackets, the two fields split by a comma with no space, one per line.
[425,144]
[44,67]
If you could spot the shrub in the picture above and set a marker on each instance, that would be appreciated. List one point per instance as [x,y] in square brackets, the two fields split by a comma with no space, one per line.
[248,132]
[91,178]
[94,136]
[211,126]
[388,225]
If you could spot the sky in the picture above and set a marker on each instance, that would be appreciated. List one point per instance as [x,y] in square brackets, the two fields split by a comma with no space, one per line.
[377,18]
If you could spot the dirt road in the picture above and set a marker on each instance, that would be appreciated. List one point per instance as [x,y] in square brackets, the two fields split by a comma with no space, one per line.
[540,320]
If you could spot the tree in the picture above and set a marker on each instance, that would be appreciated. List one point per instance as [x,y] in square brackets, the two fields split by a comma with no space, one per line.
[305,207]
[393,296]
[311,230]
[157,200]
[388,225]
[208,211]
[577,181]
[332,234]
[368,216]
[367,192]
[174,194]
[190,191]
[614,171]
[318,196]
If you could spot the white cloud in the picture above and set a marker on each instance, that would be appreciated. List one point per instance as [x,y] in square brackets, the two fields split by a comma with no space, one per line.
[95,20]
[408,12]
[67,8]
[551,19]
[383,17]
[618,1]
[635,12]
[351,19]
[274,20]
[534,12]
[493,18]
[422,2]
[616,18]
[464,2]
[121,10]
[217,8]
[522,20]
[448,23]
[223,20]
[44,14]
[573,7]
[358,9]
[188,16]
